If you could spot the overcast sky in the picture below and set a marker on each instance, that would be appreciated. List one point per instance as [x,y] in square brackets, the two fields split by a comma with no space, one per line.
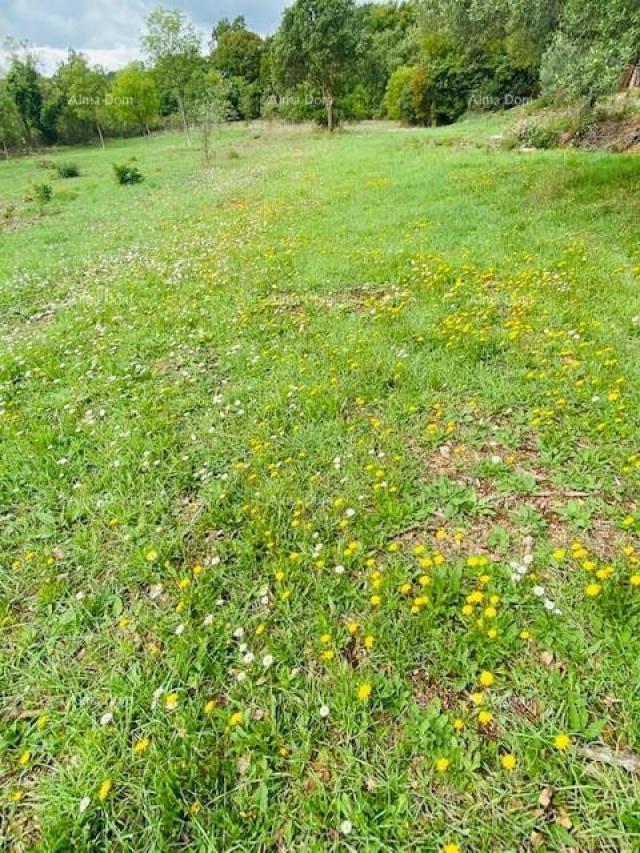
[109,30]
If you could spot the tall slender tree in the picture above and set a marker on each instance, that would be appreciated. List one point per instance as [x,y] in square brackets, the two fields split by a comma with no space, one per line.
[172,44]
[316,44]
[23,86]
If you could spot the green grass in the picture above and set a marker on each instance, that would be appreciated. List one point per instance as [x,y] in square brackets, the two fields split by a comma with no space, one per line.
[273,433]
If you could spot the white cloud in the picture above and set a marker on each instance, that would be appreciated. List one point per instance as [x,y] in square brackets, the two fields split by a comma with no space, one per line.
[109,30]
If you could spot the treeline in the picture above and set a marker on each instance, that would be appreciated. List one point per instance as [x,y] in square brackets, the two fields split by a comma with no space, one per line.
[419,61]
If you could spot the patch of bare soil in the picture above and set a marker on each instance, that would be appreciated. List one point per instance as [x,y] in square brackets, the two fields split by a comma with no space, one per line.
[369,298]
[610,135]
[425,689]
[456,461]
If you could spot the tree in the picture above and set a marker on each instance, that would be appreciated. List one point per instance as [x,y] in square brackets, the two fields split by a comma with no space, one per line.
[172,44]
[316,44]
[387,41]
[238,53]
[23,86]
[134,98]
[84,90]
[10,136]
[224,26]
[593,46]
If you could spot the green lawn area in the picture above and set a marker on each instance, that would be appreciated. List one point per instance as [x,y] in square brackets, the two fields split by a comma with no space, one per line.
[319,483]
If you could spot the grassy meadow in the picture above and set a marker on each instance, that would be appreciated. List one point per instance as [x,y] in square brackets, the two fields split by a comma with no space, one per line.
[319,483]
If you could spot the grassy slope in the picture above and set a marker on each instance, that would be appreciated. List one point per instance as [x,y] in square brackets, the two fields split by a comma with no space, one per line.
[377,343]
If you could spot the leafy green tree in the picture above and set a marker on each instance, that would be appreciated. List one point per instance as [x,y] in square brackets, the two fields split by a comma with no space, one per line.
[23,86]
[134,99]
[10,132]
[238,53]
[225,26]
[388,39]
[316,44]
[84,88]
[594,45]
[172,45]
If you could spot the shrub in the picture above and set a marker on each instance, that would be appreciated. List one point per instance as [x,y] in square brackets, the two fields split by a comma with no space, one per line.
[43,192]
[533,134]
[398,83]
[127,174]
[68,170]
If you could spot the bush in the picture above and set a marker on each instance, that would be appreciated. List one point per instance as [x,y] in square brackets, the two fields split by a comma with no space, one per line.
[68,170]
[533,134]
[398,83]
[126,174]
[427,94]
[43,192]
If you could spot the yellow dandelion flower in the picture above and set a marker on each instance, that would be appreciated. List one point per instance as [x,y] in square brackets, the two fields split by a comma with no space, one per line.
[459,724]
[509,761]
[485,717]
[442,765]
[593,590]
[24,758]
[105,788]
[562,741]
[235,718]
[634,580]
[487,679]
[141,746]
[364,692]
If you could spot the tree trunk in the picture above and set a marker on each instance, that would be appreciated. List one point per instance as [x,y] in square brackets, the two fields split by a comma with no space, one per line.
[328,100]
[100,135]
[6,150]
[183,114]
